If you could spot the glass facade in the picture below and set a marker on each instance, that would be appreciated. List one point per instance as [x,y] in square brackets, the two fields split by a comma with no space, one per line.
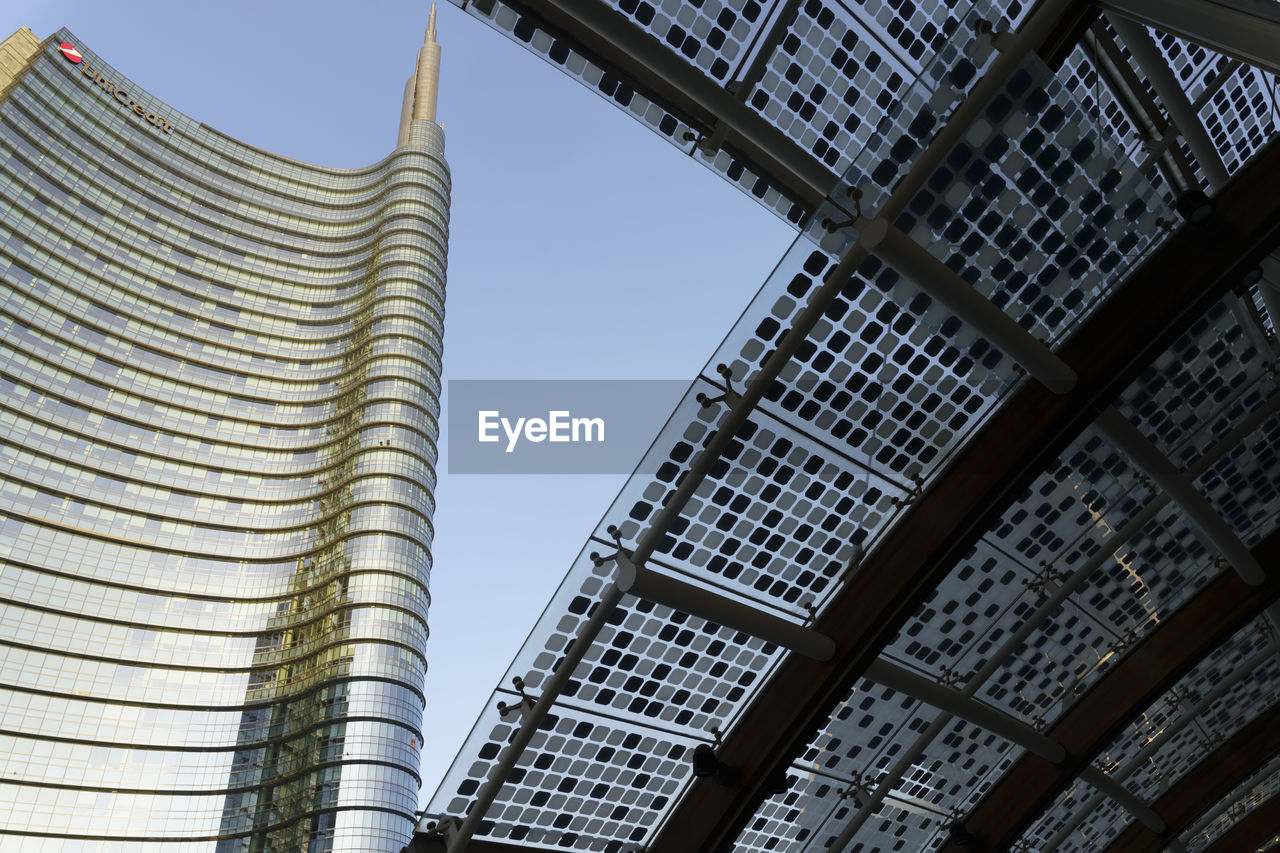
[219,393]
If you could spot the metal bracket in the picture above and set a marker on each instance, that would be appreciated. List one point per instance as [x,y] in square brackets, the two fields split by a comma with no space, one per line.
[619,556]
[524,706]
[1000,39]
[446,829]
[730,396]
[812,612]
[1047,576]
[917,489]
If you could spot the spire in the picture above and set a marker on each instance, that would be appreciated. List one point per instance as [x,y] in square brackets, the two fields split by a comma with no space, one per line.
[423,86]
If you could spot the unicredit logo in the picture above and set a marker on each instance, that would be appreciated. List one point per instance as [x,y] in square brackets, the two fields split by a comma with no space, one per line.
[118,93]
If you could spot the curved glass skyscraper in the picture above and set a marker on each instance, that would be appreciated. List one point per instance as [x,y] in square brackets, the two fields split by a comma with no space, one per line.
[219,389]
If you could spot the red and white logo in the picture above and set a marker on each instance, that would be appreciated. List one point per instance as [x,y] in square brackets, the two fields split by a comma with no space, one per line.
[69,51]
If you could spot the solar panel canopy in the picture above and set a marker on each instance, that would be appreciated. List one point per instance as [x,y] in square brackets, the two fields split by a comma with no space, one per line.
[1002,424]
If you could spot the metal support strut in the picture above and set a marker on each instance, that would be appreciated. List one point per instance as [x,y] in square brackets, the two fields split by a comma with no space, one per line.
[1248,30]
[939,281]
[1157,466]
[717,608]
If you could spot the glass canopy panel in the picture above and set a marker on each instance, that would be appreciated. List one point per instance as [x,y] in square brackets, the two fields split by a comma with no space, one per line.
[1159,569]
[863,733]
[895,824]
[1034,208]
[1194,66]
[1242,115]
[1070,512]
[866,738]
[967,617]
[1195,392]
[1101,826]
[586,782]
[651,665]
[1243,487]
[872,380]
[1101,105]
[789,819]
[712,36]
[1056,816]
[778,519]
[845,85]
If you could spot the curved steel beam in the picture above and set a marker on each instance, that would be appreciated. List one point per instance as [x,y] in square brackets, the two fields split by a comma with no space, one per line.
[1255,829]
[1142,317]
[1225,606]
[1207,783]
[1185,718]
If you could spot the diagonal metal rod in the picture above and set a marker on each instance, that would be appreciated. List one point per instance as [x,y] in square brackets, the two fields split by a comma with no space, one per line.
[1117,793]
[1248,30]
[529,724]
[1183,116]
[1246,427]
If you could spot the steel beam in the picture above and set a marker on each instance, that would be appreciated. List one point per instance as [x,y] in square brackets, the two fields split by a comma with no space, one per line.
[1248,30]
[1113,790]
[938,280]
[1141,318]
[957,704]
[1207,783]
[1157,466]
[722,610]
[1224,607]
[1181,113]
[1128,88]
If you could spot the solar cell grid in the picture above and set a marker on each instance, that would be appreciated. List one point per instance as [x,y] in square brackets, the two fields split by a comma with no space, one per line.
[1242,488]
[584,783]
[895,826]
[1178,753]
[793,817]
[1242,115]
[1185,401]
[778,518]
[651,665]
[1064,805]
[967,617]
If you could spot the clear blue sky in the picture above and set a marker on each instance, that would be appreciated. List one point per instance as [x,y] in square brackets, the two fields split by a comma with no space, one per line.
[582,246]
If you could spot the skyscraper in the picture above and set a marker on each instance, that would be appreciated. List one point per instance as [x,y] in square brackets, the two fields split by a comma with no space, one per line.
[219,393]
